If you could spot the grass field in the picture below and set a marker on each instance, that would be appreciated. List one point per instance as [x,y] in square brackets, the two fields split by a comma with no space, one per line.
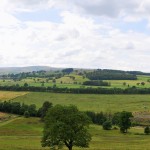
[93,102]
[25,134]
[20,133]
[67,81]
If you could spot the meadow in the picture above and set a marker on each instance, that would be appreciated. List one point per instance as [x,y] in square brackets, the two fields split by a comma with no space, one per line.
[19,133]
[90,102]
[25,134]
[67,81]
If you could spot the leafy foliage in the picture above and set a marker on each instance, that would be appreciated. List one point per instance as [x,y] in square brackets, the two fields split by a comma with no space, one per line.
[107,125]
[23,109]
[96,83]
[147,130]
[66,125]
[124,121]
[110,75]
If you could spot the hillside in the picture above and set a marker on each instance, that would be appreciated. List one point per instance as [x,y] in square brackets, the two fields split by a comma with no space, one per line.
[7,70]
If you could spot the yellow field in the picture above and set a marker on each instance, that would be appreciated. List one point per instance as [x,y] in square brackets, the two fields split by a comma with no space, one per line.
[7,95]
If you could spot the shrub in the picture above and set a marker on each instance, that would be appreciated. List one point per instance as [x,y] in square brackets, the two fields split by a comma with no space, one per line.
[147,130]
[107,125]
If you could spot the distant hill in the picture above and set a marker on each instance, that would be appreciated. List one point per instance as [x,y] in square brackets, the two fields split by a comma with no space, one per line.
[7,70]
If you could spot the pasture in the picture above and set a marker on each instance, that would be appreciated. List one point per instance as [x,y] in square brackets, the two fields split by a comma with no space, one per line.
[76,82]
[21,133]
[90,102]
[25,134]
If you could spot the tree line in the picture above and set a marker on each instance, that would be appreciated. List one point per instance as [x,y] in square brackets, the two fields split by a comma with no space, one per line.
[24,109]
[96,83]
[100,74]
[82,90]
[33,74]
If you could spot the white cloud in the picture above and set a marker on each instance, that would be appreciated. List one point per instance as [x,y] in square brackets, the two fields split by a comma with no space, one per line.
[77,41]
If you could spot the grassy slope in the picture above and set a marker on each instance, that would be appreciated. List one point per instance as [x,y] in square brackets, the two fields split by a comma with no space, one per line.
[25,134]
[92,102]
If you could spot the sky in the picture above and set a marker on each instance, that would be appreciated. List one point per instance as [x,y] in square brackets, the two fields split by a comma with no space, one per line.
[110,34]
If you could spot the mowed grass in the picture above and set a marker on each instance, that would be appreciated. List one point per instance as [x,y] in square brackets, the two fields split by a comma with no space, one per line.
[90,102]
[27,134]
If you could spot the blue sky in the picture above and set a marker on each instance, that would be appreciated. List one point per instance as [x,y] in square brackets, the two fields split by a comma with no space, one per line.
[83,34]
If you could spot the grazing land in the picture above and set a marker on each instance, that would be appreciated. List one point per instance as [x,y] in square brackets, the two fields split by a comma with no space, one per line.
[75,81]
[25,134]
[94,102]
[19,133]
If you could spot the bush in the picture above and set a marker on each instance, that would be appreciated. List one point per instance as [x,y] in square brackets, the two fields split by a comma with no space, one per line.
[26,114]
[147,130]
[107,125]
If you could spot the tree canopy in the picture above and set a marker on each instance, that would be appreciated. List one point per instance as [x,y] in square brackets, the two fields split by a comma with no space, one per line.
[125,121]
[66,125]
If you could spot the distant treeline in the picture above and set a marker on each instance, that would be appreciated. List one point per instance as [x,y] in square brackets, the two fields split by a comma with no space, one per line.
[37,74]
[34,74]
[138,73]
[110,75]
[96,83]
[55,89]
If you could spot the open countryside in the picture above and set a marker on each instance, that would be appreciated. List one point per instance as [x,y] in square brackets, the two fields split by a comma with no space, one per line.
[20,131]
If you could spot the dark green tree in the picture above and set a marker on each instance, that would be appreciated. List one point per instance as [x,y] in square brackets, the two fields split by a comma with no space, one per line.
[23,108]
[66,125]
[125,121]
[26,85]
[115,118]
[147,130]
[107,125]
[15,107]
[32,110]
[44,109]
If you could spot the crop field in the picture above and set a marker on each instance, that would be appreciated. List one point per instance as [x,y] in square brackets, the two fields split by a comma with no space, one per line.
[21,133]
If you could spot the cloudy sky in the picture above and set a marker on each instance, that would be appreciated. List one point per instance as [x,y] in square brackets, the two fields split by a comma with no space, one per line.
[112,34]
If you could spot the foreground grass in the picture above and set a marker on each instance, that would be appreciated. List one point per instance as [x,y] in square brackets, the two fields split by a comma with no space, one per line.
[25,134]
[91,102]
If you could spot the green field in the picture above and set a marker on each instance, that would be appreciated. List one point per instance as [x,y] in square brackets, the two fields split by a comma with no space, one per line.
[25,134]
[67,81]
[92,102]
[20,133]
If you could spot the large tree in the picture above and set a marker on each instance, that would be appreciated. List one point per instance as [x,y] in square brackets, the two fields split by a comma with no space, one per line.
[66,125]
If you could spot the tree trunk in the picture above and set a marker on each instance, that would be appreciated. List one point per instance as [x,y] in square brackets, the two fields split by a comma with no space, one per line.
[70,148]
